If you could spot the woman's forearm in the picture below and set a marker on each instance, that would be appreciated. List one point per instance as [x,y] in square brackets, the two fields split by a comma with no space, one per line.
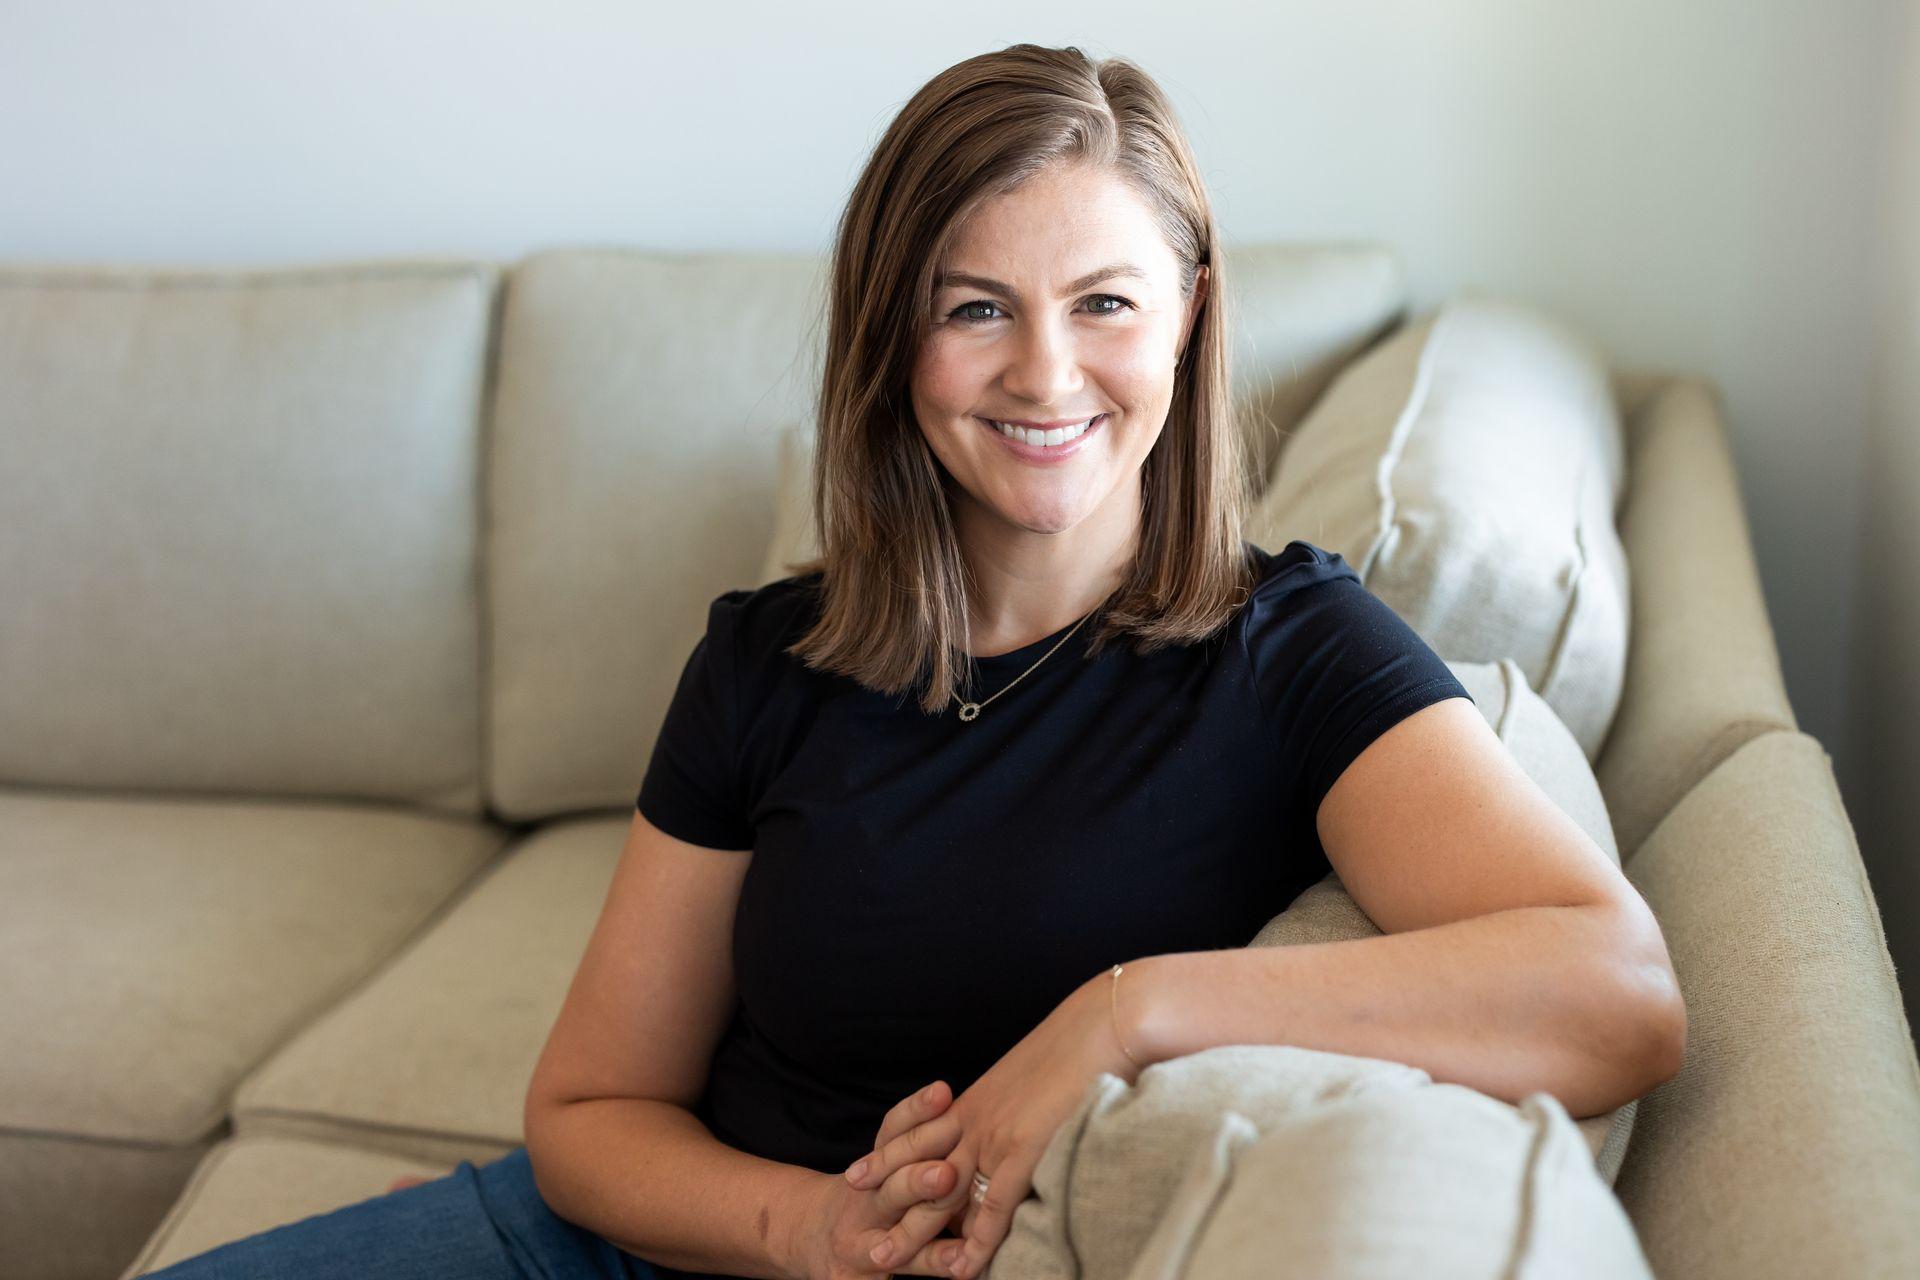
[651,1178]
[1574,1001]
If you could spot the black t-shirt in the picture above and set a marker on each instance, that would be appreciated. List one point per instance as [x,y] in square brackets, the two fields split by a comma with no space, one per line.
[923,890]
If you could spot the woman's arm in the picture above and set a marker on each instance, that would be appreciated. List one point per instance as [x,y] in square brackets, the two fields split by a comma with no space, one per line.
[608,1115]
[650,1177]
[1515,955]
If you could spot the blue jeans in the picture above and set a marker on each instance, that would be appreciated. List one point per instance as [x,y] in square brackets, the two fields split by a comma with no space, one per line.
[485,1223]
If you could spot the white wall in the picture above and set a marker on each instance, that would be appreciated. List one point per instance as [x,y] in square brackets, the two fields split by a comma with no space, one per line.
[1700,185]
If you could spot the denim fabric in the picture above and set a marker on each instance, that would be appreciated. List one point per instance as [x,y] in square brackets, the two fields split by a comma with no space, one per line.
[476,1223]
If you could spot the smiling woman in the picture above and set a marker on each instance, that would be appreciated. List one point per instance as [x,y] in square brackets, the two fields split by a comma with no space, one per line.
[1024,412]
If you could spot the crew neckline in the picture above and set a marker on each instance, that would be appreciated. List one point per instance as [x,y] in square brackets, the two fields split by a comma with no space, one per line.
[1026,653]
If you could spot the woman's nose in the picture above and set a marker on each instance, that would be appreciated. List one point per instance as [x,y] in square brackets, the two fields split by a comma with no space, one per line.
[1045,367]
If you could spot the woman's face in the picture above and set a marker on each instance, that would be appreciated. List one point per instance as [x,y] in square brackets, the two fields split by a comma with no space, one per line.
[1027,326]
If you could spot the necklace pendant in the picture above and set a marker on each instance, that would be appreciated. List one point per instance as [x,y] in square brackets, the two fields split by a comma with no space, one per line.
[968,710]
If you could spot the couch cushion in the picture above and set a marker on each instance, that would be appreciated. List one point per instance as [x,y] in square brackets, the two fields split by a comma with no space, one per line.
[1703,674]
[241,512]
[1277,1160]
[432,1058]
[248,1185]
[1789,1144]
[631,480]
[151,953]
[633,470]
[1546,750]
[1469,468]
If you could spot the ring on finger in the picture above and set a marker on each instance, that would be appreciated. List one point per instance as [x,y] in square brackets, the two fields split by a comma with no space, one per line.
[979,1187]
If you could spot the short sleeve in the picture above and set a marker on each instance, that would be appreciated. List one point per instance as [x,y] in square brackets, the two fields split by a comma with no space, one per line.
[1334,666]
[691,789]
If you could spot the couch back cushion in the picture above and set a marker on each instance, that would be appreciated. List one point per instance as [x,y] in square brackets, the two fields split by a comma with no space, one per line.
[1470,468]
[1703,671]
[239,509]
[635,448]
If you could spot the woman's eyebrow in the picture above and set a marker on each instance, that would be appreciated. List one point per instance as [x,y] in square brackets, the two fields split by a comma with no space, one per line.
[1087,281]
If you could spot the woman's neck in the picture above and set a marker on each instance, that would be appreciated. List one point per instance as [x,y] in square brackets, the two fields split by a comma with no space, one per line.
[1027,585]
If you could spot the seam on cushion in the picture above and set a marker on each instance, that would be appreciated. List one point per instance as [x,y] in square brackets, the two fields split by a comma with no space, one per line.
[358,1124]
[182,1202]
[1705,763]
[1576,587]
[1396,442]
[1508,670]
[82,1138]
[1221,1152]
[327,1005]
[1527,1234]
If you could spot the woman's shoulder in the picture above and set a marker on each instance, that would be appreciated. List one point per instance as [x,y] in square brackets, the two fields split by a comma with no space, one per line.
[760,622]
[1296,566]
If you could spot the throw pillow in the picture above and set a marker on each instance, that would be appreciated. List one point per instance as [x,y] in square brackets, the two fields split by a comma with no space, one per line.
[1470,468]
[1280,1161]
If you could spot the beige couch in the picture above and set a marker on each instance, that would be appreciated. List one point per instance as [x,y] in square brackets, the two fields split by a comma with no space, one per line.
[339,606]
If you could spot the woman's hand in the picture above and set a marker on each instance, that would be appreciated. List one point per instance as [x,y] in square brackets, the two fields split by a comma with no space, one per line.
[904,1210]
[1003,1123]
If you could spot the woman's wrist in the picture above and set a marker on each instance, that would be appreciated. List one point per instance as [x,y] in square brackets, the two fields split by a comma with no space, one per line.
[795,1224]
[1134,999]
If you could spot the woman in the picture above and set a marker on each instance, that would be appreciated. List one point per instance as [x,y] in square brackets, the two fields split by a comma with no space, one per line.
[1133,738]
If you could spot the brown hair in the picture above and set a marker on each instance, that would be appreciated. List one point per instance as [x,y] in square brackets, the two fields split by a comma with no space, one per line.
[893,591]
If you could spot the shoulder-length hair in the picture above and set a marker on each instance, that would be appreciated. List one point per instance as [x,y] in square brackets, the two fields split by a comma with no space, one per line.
[893,583]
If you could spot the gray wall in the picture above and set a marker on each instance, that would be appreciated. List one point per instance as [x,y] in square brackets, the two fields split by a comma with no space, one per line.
[1705,186]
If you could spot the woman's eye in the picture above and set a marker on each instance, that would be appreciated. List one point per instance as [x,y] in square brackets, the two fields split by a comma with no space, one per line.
[963,314]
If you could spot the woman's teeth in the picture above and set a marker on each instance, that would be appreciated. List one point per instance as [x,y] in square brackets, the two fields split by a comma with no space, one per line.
[1059,435]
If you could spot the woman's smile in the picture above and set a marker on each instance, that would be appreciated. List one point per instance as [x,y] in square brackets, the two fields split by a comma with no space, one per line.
[1019,440]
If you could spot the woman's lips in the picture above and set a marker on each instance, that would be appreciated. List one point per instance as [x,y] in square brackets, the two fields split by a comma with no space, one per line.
[1044,454]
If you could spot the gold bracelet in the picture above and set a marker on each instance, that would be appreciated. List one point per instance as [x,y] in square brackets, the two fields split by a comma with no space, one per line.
[1114,1003]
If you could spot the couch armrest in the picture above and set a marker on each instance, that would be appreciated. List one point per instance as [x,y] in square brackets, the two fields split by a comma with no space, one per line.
[1789,1144]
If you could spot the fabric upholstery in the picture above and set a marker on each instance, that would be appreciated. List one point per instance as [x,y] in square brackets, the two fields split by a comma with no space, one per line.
[431,1058]
[1281,1161]
[1470,467]
[630,480]
[1546,751]
[151,953]
[248,1185]
[1703,673]
[1789,1144]
[241,513]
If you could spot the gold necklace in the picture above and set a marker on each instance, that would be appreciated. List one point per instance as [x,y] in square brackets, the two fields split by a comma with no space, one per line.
[968,710]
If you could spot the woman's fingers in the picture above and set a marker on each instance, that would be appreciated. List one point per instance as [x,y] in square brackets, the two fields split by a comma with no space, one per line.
[1007,1186]
[910,1111]
[922,1196]
[930,1139]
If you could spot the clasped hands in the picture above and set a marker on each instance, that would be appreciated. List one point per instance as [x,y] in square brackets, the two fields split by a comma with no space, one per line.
[886,1214]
